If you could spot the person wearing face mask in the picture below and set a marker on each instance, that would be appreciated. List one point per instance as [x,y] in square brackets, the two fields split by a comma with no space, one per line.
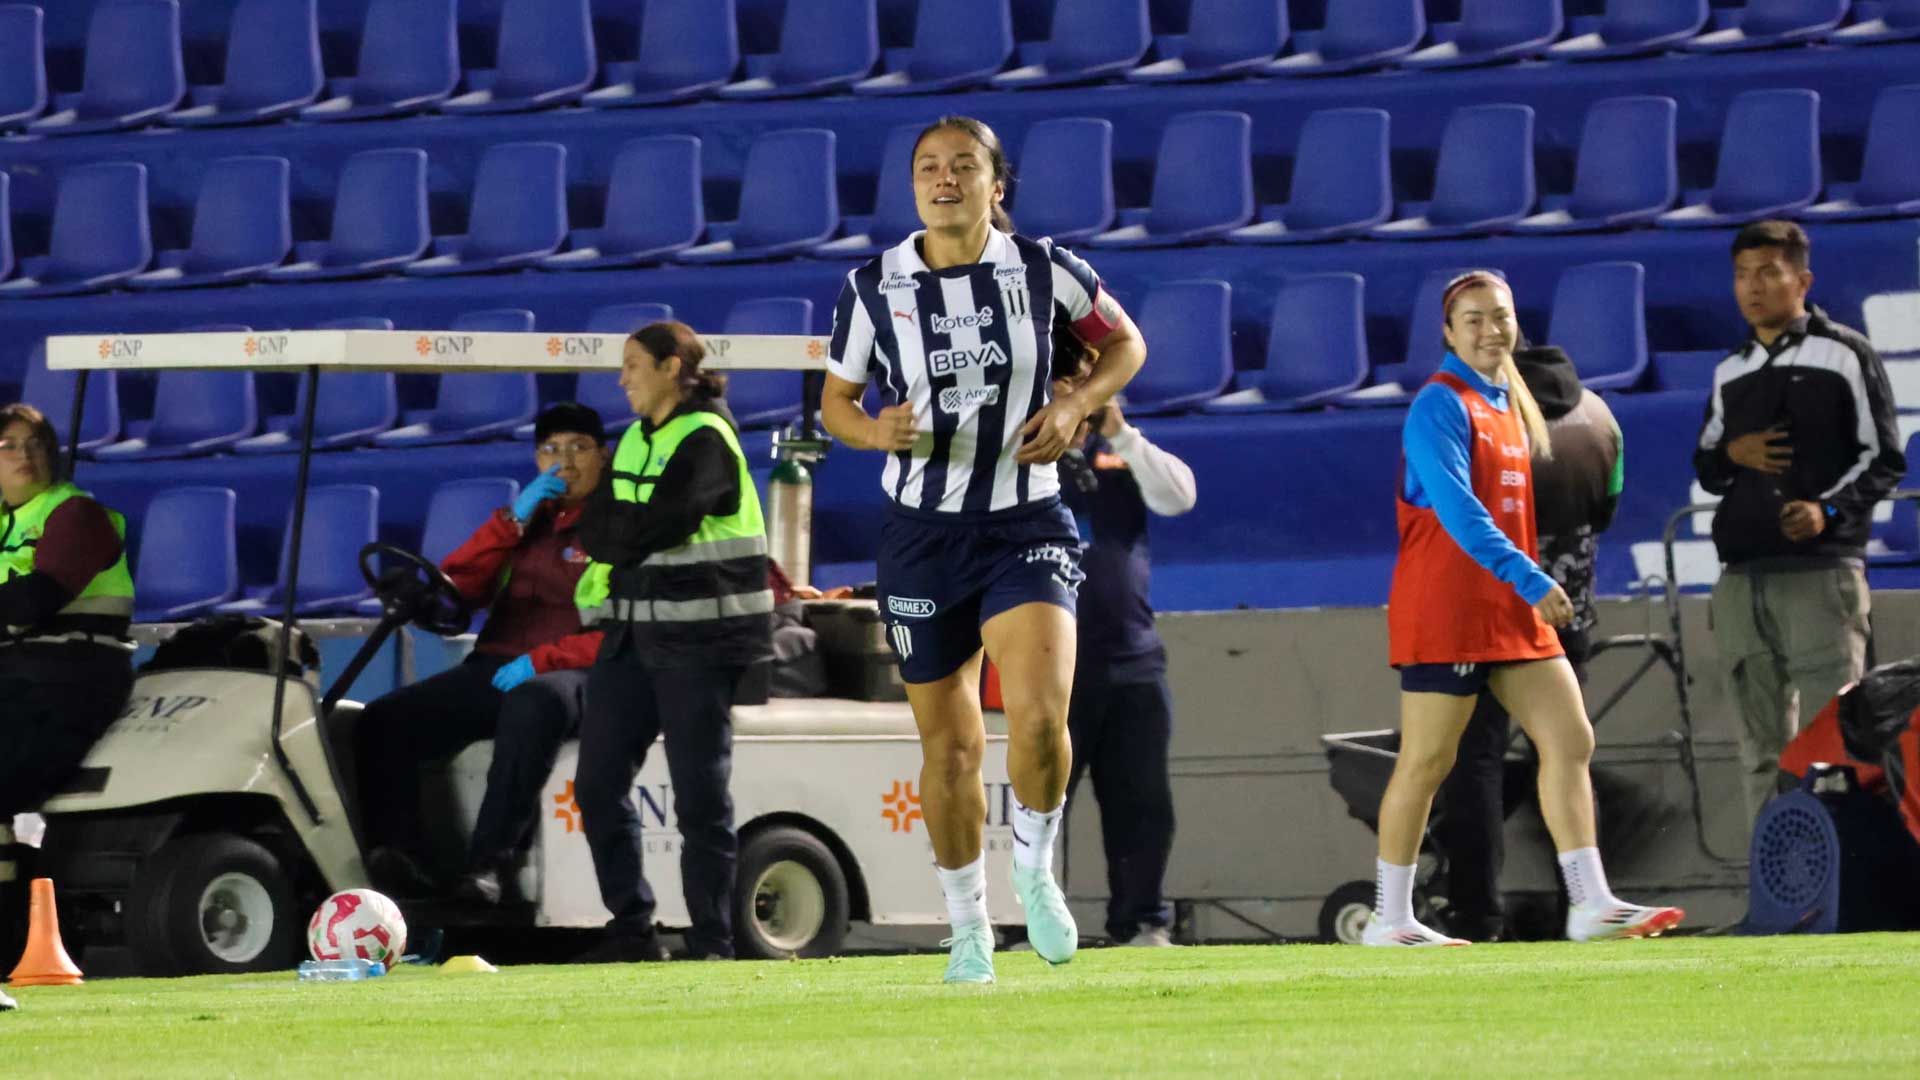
[1470,610]
[523,686]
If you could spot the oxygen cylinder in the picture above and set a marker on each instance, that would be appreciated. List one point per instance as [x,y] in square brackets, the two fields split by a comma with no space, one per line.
[790,519]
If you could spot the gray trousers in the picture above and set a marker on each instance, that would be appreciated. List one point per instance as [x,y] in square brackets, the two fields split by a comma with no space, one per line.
[1789,641]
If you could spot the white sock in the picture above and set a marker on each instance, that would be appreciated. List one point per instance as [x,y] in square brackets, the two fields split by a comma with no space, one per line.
[1392,893]
[966,891]
[1033,834]
[1586,879]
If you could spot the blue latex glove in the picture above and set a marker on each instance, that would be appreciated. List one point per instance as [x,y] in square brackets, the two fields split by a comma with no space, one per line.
[513,673]
[547,485]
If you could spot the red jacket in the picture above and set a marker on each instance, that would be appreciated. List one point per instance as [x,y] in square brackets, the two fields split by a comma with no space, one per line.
[527,575]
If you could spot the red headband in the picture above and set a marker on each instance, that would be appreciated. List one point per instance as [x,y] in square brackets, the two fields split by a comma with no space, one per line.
[1469,280]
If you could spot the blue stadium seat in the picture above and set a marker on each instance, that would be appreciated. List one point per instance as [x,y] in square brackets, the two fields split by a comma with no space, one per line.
[133,71]
[354,406]
[1690,369]
[955,46]
[6,227]
[1635,28]
[272,69]
[762,399]
[23,68]
[1492,32]
[600,390]
[1769,161]
[1224,38]
[379,220]
[1090,40]
[409,62]
[1397,383]
[1359,34]
[1484,180]
[1341,181]
[241,228]
[189,556]
[1316,347]
[546,58]
[1627,173]
[458,509]
[473,406]
[52,393]
[100,236]
[1066,179]
[518,215]
[1187,330]
[1899,20]
[340,520]
[895,214]
[1890,175]
[789,201]
[1600,318]
[824,45]
[1766,23]
[688,49]
[195,412]
[653,208]
[1202,184]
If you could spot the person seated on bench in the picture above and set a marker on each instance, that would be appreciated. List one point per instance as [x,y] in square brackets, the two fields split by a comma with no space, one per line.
[523,686]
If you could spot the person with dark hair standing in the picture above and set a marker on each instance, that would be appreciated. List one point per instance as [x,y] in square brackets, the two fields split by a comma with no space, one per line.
[1800,441]
[679,585]
[523,686]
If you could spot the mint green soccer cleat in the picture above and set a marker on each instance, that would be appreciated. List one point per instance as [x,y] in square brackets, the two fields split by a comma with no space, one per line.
[1050,926]
[971,958]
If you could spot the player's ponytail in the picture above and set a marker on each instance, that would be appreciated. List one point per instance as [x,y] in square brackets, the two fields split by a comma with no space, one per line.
[665,339]
[996,157]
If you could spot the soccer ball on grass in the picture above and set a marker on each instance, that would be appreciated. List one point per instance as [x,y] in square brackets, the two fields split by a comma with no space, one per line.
[358,923]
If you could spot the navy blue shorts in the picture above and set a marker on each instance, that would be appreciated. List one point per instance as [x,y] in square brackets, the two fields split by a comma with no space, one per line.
[1460,680]
[941,576]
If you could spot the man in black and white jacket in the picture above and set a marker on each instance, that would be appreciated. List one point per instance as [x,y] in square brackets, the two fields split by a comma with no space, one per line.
[1800,443]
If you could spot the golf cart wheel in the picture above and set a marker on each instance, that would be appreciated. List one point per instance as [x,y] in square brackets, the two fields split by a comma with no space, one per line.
[791,898]
[214,904]
[1344,915]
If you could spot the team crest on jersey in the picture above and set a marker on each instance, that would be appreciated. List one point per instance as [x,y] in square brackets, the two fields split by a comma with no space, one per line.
[955,399]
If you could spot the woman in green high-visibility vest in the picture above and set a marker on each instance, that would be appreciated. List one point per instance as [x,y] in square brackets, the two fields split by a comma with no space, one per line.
[679,585]
[66,600]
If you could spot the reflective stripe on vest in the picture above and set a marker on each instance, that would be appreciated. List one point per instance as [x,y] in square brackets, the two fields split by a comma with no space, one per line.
[110,593]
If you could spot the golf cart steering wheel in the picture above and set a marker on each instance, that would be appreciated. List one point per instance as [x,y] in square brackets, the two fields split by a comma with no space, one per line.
[411,589]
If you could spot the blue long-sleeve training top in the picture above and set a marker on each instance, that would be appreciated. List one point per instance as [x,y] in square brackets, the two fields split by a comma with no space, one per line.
[1436,443]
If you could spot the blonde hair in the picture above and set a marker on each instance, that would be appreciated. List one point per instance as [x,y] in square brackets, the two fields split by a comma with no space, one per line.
[1531,418]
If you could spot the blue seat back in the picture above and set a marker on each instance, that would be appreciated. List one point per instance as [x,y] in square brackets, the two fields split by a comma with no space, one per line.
[408,49]
[1628,21]
[761,397]
[895,214]
[23,69]
[340,520]
[545,45]
[351,400]
[1341,170]
[1486,165]
[1627,158]
[188,552]
[193,406]
[133,59]
[52,393]
[1487,25]
[1891,172]
[687,42]
[788,192]
[600,390]
[951,39]
[1903,532]
[1769,152]
[380,208]
[6,227]
[519,201]
[653,195]
[478,399]
[458,509]
[1065,178]
[273,55]
[241,217]
[1902,14]
[1095,33]
[1204,175]
[824,39]
[1223,32]
[1600,318]
[1187,330]
[1317,341]
[1357,28]
[1768,18]
[100,222]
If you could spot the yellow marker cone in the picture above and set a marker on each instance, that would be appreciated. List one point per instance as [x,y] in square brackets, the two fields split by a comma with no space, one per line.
[460,965]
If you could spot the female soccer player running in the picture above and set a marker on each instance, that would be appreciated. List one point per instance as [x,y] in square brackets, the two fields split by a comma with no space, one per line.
[976,549]
[1470,610]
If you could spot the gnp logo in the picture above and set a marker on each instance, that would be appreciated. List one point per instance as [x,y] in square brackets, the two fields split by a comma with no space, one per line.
[573,345]
[908,607]
[902,807]
[443,344]
[966,320]
[815,350]
[157,714]
[265,345]
[948,361]
[120,347]
[719,346]
[956,399]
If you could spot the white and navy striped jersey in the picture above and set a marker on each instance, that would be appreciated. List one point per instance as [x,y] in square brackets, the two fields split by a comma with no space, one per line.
[970,348]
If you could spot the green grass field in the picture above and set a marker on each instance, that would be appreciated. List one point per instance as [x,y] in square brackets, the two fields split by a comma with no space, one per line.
[1678,1007]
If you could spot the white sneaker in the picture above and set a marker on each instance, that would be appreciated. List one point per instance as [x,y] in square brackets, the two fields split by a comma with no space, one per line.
[1605,922]
[1412,932]
[1151,937]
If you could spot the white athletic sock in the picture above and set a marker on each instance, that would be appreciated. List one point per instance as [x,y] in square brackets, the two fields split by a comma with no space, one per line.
[1586,878]
[1033,834]
[966,891]
[1392,893]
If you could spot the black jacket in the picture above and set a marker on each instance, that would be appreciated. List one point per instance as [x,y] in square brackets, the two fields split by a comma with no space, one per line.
[1577,490]
[1824,385]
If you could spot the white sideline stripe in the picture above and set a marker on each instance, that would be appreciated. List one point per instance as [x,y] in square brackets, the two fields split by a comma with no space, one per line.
[412,350]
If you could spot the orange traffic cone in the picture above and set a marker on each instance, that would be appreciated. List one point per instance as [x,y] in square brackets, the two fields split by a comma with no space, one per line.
[45,963]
